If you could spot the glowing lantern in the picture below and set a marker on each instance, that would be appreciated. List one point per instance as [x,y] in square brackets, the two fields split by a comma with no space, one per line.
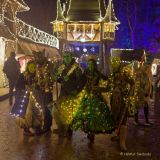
[109,30]
[58,27]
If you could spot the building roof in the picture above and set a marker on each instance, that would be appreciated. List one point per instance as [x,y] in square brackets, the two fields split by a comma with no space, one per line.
[60,16]
[110,14]
[128,54]
[5,32]
[84,10]
[22,5]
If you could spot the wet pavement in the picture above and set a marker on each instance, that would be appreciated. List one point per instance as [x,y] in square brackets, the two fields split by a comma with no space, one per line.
[143,142]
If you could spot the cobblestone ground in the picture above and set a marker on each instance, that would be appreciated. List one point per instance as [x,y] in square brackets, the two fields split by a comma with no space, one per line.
[143,142]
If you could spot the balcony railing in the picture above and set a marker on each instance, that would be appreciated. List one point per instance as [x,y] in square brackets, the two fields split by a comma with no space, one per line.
[29,32]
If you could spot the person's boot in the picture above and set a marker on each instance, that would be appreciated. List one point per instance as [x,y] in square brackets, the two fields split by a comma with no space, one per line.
[136,122]
[123,133]
[146,110]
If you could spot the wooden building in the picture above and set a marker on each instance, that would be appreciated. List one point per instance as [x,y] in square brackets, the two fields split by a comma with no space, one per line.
[87,27]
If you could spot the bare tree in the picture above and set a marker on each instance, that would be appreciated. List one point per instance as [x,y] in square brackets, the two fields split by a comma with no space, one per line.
[131,14]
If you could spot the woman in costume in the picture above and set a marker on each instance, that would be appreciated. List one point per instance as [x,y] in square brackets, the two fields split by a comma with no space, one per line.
[22,108]
[34,115]
[121,84]
[93,115]
[42,92]
[71,78]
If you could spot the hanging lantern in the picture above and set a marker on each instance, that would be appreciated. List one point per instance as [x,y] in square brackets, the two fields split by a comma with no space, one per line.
[109,30]
[58,26]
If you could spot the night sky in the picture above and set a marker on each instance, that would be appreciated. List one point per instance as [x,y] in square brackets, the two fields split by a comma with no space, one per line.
[146,32]
[41,13]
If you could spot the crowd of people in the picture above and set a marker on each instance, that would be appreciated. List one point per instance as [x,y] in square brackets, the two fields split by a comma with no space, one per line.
[80,102]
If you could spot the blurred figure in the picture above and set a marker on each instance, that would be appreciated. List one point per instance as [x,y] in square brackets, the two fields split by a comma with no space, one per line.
[144,89]
[12,70]
[121,85]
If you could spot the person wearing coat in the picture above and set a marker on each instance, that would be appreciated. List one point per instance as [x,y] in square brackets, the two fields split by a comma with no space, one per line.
[12,70]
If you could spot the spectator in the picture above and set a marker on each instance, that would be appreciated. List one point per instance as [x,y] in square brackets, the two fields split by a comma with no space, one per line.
[12,70]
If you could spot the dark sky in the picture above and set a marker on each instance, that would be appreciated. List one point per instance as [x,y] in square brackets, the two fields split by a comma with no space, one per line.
[41,13]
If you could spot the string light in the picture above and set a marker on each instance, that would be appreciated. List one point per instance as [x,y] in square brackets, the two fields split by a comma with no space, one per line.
[69,107]
[29,32]
[85,31]
[20,105]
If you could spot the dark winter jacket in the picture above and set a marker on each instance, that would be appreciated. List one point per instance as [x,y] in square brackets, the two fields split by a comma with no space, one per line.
[11,68]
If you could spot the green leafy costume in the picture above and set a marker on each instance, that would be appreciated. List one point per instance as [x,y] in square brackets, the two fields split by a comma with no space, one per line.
[93,115]
[72,81]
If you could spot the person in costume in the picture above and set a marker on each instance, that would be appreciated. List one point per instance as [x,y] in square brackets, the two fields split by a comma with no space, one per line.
[71,79]
[42,94]
[93,115]
[22,108]
[144,88]
[121,85]
[36,117]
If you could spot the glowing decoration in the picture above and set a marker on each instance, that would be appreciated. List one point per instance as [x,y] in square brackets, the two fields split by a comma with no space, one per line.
[86,22]
[2,50]
[92,49]
[69,107]
[37,105]
[84,49]
[2,59]
[86,30]
[58,24]
[20,28]
[21,103]
[1,18]
[77,48]
[110,22]
[58,27]
[109,31]
[29,32]
[83,32]
[82,39]
[154,69]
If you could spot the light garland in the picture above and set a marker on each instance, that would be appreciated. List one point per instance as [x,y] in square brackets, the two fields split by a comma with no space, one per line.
[73,34]
[69,107]
[109,13]
[22,104]
[29,32]
[83,31]
[39,107]
[1,18]
[2,59]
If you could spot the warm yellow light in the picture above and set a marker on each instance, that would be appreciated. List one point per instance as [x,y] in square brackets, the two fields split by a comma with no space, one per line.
[109,27]
[58,27]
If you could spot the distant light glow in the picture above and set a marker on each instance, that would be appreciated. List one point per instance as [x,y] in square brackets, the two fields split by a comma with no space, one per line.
[83,40]
[77,48]
[92,49]
[84,49]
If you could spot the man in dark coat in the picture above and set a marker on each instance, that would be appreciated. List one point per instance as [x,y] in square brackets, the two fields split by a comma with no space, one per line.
[12,70]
